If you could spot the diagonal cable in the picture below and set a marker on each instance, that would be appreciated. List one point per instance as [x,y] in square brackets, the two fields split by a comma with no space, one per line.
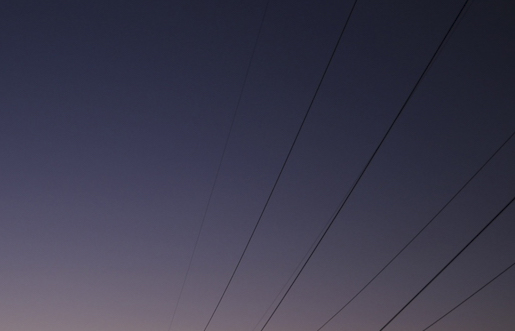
[419,232]
[448,263]
[226,143]
[299,265]
[470,296]
[283,166]
[365,168]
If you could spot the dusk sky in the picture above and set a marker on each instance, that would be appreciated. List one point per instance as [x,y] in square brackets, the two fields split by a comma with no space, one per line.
[141,140]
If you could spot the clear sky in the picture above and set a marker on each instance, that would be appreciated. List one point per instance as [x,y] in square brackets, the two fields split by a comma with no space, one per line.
[114,116]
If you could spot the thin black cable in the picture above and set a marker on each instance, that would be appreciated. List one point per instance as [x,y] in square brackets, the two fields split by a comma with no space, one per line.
[470,296]
[448,263]
[464,11]
[226,143]
[420,231]
[291,277]
[299,265]
[283,165]
[365,168]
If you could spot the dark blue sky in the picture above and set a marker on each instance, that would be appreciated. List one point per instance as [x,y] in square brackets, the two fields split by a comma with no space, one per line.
[114,117]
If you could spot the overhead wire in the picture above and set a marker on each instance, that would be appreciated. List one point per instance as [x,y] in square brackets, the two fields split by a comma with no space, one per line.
[283,166]
[448,263]
[217,173]
[469,297]
[297,267]
[366,166]
[420,231]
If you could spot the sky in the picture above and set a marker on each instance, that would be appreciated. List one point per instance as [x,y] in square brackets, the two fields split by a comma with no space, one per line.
[140,141]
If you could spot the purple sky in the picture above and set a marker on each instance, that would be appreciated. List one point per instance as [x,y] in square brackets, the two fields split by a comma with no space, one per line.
[113,120]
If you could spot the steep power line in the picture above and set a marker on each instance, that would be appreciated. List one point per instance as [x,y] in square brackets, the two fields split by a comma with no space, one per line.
[365,168]
[299,265]
[226,143]
[283,165]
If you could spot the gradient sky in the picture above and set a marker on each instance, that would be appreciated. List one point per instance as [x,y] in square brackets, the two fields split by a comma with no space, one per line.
[113,120]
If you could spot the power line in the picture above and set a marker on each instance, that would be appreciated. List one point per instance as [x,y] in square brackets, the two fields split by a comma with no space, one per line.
[470,296]
[365,168]
[226,143]
[419,232]
[448,263]
[283,165]
[299,265]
